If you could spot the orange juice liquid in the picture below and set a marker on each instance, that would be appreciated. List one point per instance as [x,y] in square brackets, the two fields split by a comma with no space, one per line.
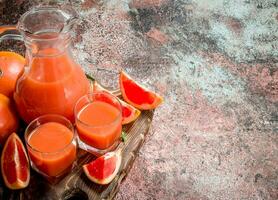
[52,85]
[52,149]
[99,124]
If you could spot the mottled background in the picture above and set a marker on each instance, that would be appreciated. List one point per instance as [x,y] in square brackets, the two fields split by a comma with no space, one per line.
[215,62]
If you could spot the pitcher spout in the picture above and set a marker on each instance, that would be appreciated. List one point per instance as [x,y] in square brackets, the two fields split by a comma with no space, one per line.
[50,19]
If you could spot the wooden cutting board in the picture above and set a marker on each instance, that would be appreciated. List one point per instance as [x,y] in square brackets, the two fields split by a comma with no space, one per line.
[76,185]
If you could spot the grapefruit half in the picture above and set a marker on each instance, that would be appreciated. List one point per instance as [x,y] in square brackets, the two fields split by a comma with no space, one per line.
[137,95]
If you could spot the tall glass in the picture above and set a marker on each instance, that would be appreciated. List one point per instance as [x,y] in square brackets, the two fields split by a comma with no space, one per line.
[51,145]
[98,119]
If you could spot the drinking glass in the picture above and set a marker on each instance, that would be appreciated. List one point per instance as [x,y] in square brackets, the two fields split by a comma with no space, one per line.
[98,119]
[53,152]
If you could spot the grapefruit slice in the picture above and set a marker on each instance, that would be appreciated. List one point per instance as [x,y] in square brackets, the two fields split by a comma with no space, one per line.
[15,164]
[104,169]
[136,95]
[129,113]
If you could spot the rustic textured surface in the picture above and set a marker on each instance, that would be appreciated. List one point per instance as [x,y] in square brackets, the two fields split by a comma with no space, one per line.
[215,62]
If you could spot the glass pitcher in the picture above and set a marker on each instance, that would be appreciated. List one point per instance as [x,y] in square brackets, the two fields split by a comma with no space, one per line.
[52,81]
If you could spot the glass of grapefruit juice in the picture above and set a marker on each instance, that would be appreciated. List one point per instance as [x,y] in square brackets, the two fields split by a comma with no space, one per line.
[51,145]
[98,119]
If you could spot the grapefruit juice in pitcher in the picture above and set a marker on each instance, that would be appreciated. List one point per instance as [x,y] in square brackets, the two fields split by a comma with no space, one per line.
[52,81]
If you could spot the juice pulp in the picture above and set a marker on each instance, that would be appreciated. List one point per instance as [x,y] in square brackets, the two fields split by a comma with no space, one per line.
[52,85]
[99,124]
[52,149]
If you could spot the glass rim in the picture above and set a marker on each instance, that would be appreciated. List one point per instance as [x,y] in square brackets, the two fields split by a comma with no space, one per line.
[93,94]
[55,116]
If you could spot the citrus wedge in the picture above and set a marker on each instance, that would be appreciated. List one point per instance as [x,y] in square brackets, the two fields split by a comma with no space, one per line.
[15,164]
[137,95]
[104,169]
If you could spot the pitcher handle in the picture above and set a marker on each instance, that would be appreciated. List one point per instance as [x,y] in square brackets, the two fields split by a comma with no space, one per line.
[10,32]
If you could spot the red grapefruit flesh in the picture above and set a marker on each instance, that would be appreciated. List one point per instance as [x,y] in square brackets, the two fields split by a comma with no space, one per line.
[104,169]
[129,113]
[15,164]
[136,95]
